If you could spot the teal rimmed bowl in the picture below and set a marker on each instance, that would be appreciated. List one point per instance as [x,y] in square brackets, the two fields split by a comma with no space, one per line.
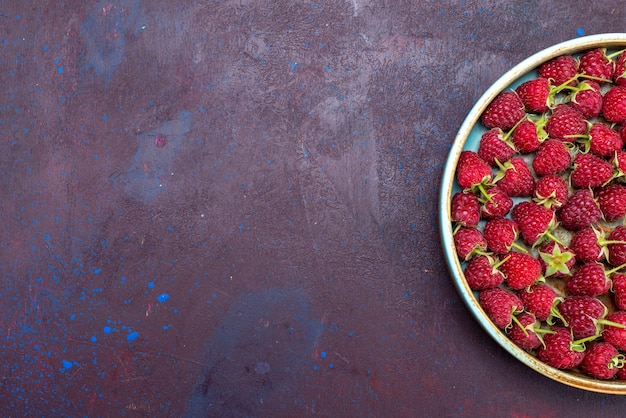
[468,138]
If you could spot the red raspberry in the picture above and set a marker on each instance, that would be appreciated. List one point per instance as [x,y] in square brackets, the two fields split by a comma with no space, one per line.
[559,70]
[504,112]
[589,245]
[494,147]
[614,106]
[619,76]
[538,299]
[559,351]
[500,235]
[535,95]
[535,222]
[589,280]
[580,211]
[617,247]
[615,334]
[602,361]
[619,290]
[551,191]
[516,179]
[465,209]
[520,270]
[472,170]
[523,332]
[468,242]
[612,201]
[603,140]
[497,203]
[590,171]
[482,273]
[581,314]
[565,123]
[587,99]
[500,305]
[529,134]
[553,157]
[596,64]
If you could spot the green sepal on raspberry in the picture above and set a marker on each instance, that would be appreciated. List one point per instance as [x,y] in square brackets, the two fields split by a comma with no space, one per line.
[556,259]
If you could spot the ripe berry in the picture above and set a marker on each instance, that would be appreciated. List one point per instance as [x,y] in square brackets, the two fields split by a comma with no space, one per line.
[553,157]
[520,270]
[472,170]
[535,222]
[494,147]
[524,331]
[560,351]
[515,178]
[589,280]
[581,314]
[619,76]
[587,99]
[603,140]
[590,171]
[580,211]
[482,272]
[558,70]
[612,201]
[504,111]
[496,204]
[529,134]
[615,331]
[617,247]
[596,64]
[501,234]
[602,361]
[500,305]
[465,209]
[538,299]
[468,242]
[589,245]
[565,123]
[551,191]
[619,290]
[614,106]
[535,95]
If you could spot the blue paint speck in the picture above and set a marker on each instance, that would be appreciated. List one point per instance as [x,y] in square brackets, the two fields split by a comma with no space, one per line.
[60,70]
[163,297]
[106,330]
[316,367]
[323,354]
[94,339]
[150,285]
[66,364]
[132,336]
[105,117]
[580,32]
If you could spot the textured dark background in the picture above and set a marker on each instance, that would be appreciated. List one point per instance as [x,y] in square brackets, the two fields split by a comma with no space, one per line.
[279,255]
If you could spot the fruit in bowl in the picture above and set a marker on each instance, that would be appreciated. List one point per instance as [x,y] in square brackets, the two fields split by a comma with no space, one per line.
[533,203]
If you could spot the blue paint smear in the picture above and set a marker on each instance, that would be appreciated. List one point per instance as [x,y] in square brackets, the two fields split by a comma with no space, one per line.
[273,326]
[163,297]
[151,167]
[66,364]
[104,33]
[132,336]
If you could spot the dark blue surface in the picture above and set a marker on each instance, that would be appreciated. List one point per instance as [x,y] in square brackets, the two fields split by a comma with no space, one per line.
[229,208]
